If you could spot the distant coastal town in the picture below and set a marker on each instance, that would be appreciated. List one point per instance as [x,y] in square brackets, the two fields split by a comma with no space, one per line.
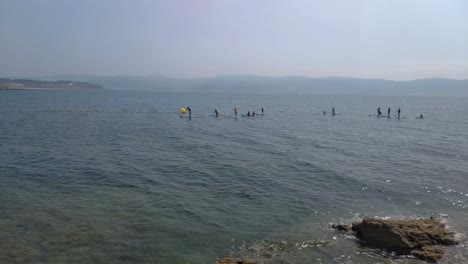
[24,84]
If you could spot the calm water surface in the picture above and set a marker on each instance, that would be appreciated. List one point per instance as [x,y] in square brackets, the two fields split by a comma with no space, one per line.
[118,177]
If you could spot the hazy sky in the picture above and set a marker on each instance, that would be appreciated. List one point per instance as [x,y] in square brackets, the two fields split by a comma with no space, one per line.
[371,39]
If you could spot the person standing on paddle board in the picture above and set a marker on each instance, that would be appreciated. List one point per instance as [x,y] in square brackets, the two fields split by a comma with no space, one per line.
[399,110]
[378,112]
[235,111]
[262,110]
[216,112]
[333,111]
[388,112]
[189,111]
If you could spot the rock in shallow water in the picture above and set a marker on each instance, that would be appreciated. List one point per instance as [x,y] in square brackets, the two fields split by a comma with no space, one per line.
[419,237]
[345,228]
[227,260]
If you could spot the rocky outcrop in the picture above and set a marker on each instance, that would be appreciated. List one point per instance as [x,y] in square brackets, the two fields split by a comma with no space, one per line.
[227,260]
[422,238]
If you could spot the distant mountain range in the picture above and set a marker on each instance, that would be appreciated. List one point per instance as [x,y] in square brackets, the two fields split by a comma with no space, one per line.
[21,84]
[265,84]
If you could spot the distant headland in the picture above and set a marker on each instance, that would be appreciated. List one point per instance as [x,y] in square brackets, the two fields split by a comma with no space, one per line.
[273,84]
[24,84]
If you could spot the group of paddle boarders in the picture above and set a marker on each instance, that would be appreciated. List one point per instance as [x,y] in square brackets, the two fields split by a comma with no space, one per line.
[389,110]
[216,113]
[249,114]
[379,113]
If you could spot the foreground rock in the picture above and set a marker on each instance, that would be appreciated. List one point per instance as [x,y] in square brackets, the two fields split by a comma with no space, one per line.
[228,260]
[422,238]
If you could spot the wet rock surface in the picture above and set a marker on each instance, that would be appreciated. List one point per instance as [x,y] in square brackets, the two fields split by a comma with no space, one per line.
[422,238]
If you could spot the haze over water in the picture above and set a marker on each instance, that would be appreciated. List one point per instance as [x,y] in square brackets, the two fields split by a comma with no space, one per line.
[398,40]
[118,177]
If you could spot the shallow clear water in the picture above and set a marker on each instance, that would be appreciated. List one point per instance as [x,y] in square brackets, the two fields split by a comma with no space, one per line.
[118,177]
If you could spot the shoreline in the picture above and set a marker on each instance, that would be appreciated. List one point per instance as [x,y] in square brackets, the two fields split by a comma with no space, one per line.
[30,88]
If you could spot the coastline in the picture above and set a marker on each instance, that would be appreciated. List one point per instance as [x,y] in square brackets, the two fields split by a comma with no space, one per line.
[31,88]
[27,84]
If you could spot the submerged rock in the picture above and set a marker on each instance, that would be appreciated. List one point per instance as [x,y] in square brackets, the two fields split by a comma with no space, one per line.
[271,252]
[228,260]
[422,238]
[345,228]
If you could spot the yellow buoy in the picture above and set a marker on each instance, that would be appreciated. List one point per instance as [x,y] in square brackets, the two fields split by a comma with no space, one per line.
[183,111]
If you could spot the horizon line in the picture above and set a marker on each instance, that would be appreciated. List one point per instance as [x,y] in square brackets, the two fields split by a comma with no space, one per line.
[229,75]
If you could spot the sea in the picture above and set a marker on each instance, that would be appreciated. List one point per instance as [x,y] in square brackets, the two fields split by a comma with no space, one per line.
[119,177]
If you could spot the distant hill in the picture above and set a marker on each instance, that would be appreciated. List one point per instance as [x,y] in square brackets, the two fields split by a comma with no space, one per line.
[286,84]
[20,84]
